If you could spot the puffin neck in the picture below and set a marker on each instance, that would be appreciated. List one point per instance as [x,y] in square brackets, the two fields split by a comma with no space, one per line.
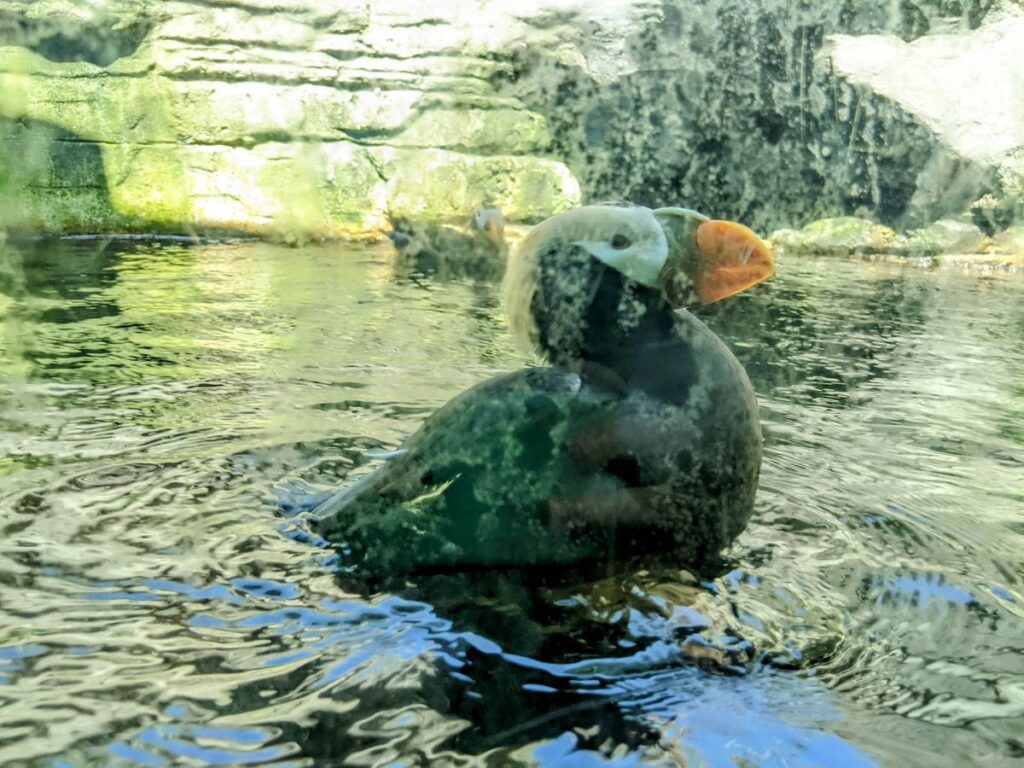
[617,324]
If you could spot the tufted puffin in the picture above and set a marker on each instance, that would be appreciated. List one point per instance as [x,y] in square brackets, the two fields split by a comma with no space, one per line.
[450,253]
[638,436]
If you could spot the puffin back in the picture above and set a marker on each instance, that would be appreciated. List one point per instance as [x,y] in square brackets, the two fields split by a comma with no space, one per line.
[470,487]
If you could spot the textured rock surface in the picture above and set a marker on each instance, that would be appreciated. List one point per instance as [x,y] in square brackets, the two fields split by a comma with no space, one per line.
[947,236]
[732,107]
[842,236]
[322,117]
[945,243]
[1011,241]
[967,90]
[284,117]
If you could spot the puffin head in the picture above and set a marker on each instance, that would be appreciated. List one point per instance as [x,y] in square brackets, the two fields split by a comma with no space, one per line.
[489,221]
[594,277]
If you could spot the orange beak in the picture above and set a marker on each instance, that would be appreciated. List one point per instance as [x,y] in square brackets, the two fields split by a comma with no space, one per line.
[495,232]
[732,259]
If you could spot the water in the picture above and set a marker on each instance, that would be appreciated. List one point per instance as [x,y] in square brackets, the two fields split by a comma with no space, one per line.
[169,410]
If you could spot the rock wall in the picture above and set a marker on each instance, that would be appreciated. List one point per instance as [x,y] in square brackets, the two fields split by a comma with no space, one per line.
[285,117]
[967,92]
[304,118]
[754,109]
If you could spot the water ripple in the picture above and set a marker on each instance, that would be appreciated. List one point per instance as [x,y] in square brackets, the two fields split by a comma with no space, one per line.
[170,414]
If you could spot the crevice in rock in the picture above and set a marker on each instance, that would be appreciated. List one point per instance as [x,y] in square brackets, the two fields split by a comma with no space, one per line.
[237,42]
[70,138]
[431,22]
[377,168]
[99,40]
[343,56]
[384,81]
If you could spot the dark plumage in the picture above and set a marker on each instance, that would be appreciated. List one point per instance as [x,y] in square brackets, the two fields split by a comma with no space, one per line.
[448,253]
[642,436]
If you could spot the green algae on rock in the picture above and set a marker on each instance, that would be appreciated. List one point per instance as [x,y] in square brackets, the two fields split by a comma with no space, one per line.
[293,122]
[840,236]
[437,183]
[948,242]
[763,111]
[946,236]
[1010,241]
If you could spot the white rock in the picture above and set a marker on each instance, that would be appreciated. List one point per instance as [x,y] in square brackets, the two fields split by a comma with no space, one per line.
[967,88]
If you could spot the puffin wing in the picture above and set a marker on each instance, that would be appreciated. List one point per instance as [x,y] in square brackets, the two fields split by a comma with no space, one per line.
[470,488]
[683,443]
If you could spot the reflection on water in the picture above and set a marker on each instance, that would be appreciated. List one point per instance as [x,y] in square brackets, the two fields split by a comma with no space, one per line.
[169,413]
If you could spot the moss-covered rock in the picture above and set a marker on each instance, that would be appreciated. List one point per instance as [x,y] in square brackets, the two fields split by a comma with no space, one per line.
[118,104]
[296,120]
[290,190]
[211,112]
[444,184]
[52,181]
[1011,180]
[1010,242]
[761,110]
[483,131]
[841,236]
[946,236]
[946,243]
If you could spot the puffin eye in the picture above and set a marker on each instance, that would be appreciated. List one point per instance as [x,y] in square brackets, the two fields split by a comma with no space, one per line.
[621,241]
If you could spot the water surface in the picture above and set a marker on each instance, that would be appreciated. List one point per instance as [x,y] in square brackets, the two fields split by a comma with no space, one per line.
[168,412]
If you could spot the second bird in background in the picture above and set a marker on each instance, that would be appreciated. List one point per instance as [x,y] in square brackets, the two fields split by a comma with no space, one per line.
[478,252]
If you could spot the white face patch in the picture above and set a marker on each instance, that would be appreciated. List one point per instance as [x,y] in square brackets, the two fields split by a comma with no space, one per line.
[641,261]
[630,240]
